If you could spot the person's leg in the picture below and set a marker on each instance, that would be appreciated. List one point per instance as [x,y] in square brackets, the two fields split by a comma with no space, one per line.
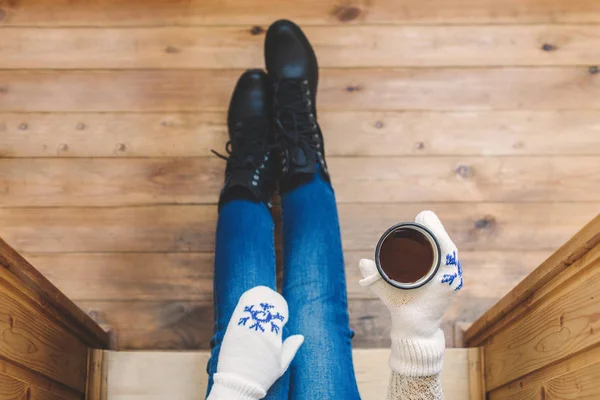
[244,252]
[314,285]
[244,258]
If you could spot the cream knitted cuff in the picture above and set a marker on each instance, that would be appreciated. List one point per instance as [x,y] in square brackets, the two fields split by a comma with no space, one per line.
[418,357]
[231,387]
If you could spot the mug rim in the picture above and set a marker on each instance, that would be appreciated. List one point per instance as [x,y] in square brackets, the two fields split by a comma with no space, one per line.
[436,250]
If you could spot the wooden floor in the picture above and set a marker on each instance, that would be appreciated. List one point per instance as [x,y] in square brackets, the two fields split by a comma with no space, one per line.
[487,112]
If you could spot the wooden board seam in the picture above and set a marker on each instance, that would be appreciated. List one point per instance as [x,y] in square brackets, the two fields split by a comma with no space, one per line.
[50,384]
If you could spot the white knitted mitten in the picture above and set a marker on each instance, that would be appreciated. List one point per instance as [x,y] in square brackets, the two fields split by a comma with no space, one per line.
[417,341]
[252,354]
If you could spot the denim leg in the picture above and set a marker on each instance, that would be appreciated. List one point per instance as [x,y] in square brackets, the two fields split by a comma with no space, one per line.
[314,285]
[244,258]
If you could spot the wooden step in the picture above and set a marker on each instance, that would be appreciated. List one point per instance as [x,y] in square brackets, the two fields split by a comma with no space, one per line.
[153,375]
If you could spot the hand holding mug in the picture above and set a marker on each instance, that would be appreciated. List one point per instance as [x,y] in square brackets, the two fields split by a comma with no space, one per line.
[417,341]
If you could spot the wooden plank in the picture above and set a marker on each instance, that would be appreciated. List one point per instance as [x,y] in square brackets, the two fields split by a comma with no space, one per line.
[373,134]
[145,181]
[566,255]
[40,394]
[581,384]
[182,375]
[33,340]
[182,325]
[188,324]
[130,276]
[240,47]
[545,88]
[533,383]
[97,375]
[481,226]
[12,389]
[561,324]
[38,381]
[188,276]
[476,373]
[306,12]
[28,282]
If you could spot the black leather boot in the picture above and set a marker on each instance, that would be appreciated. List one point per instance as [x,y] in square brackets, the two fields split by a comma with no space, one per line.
[292,67]
[250,173]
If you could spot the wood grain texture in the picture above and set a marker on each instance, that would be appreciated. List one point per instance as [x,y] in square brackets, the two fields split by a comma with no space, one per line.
[545,88]
[574,249]
[182,375]
[188,324]
[240,47]
[36,393]
[30,284]
[305,12]
[481,226]
[97,375]
[531,385]
[188,276]
[476,373]
[33,340]
[186,279]
[580,384]
[12,389]
[36,380]
[157,325]
[373,134]
[118,182]
[560,325]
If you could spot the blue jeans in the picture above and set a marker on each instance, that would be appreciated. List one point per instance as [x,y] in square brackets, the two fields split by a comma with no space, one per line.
[314,286]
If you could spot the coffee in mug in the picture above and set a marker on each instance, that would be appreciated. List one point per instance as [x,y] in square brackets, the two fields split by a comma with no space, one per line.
[407,255]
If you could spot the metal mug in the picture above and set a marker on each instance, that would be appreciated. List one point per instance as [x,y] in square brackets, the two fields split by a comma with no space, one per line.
[402,242]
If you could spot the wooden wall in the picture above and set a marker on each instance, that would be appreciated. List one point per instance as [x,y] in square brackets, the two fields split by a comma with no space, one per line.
[541,340]
[45,338]
[484,111]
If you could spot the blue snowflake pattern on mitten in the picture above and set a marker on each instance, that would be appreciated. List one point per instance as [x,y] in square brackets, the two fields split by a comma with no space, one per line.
[451,259]
[262,315]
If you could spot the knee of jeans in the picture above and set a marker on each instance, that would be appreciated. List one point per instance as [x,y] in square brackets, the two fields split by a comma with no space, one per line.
[317,319]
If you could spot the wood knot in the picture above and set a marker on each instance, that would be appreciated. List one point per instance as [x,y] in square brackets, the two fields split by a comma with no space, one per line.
[121,147]
[549,47]
[518,145]
[378,125]
[346,13]
[80,126]
[3,89]
[23,126]
[487,222]
[353,88]
[593,69]
[465,171]
[256,30]
[2,14]
[420,145]
[63,147]
[172,50]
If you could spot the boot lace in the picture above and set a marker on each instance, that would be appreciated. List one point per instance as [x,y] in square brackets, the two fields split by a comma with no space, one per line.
[249,146]
[294,118]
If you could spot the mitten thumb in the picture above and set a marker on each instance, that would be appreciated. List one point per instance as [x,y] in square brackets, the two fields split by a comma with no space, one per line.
[288,350]
[369,271]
